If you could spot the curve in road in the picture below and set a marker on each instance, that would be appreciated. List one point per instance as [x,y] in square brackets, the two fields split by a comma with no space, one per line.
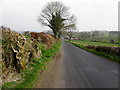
[78,68]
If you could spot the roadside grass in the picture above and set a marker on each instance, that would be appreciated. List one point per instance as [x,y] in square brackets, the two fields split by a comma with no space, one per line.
[95,43]
[109,56]
[31,74]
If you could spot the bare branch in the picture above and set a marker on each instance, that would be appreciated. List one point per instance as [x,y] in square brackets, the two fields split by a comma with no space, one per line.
[56,16]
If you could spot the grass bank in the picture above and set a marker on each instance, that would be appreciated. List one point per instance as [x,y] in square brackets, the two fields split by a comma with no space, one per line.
[101,53]
[30,75]
[95,43]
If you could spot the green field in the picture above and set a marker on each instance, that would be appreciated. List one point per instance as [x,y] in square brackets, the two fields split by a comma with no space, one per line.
[95,43]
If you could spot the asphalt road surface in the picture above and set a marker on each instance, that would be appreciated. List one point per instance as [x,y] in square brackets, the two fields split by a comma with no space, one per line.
[78,68]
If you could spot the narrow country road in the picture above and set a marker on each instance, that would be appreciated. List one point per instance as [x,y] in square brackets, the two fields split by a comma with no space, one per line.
[78,68]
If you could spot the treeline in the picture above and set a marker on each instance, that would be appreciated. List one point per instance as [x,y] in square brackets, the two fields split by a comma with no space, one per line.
[97,36]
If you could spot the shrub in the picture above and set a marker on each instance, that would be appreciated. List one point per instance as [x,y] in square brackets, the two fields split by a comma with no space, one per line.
[17,51]
[109,50]
[45,38]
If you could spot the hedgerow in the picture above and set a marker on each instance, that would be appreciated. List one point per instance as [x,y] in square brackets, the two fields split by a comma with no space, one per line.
[23,52]
[112,53]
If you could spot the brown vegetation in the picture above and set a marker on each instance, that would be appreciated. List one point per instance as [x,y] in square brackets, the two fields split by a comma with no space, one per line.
[18,51]
[46,38]
[109,50]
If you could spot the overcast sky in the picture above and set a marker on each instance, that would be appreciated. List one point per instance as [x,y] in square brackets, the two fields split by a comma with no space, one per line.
[21,15]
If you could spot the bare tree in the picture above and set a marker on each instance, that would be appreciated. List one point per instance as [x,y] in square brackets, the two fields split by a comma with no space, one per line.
[56,16]
[70,34]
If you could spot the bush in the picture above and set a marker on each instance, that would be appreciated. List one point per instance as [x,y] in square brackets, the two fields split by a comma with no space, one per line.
[14,52]
[46,38]
[17,52]
[109,50]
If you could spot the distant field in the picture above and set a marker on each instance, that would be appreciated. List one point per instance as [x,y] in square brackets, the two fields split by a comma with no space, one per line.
[96,43]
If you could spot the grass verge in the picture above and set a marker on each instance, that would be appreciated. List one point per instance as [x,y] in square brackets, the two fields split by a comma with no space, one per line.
[110,57]
[31,74]
[95,43]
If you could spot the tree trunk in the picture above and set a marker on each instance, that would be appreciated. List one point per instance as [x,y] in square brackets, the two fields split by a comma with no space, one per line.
[59,34]
[55,33]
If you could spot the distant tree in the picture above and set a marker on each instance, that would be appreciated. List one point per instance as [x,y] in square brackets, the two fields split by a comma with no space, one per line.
[95,35]
[70,34]
[56,16]
[26,33]
[112,36]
